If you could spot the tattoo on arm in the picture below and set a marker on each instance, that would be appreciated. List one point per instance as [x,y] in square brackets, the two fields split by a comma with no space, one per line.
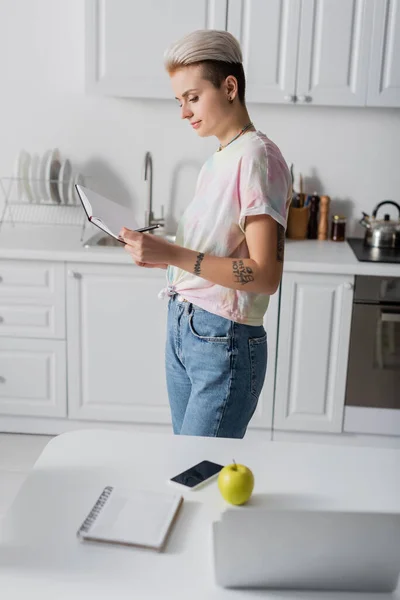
[280,250]
[197,264]
[241,273]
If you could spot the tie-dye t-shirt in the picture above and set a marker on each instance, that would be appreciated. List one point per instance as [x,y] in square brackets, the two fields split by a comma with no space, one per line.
[248,177]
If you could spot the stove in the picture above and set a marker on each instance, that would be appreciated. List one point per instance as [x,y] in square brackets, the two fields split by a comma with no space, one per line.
[367,254]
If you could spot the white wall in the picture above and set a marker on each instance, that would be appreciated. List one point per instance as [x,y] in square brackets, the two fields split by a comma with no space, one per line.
[351,154]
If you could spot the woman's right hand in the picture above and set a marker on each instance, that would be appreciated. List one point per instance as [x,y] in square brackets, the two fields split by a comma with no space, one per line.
[151,265]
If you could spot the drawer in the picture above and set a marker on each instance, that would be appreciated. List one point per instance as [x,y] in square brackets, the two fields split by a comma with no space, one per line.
[33,377]
[27,319]
[35,278]
[32,299]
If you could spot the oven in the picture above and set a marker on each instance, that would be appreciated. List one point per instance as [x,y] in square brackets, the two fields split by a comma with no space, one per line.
[372,402]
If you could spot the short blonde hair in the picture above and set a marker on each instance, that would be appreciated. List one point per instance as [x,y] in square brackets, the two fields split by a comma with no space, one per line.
[218,52]
[201,45]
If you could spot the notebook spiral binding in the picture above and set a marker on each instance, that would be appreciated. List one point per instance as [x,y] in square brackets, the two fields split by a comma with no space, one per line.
[94,513]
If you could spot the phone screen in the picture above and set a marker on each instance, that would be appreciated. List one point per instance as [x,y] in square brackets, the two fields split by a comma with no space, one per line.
[197,474]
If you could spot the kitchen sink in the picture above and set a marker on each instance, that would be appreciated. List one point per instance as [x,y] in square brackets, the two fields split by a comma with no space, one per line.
[103,240]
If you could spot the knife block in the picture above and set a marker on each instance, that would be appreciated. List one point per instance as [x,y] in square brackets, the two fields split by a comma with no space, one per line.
[297,223]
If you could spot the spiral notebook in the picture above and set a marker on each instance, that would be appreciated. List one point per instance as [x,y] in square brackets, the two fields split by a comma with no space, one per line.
[132,518]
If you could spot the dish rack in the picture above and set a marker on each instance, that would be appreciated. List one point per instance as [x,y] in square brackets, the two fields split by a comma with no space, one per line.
[16,207]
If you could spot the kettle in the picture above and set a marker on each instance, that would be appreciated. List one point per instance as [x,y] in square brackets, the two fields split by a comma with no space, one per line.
[381,233]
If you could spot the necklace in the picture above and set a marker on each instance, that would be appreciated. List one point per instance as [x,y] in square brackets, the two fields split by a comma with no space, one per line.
[245,128]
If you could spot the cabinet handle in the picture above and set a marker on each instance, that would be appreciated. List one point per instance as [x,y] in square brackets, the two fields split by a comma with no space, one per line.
[1,319]
[304,98]
[74,274]
[1,279]
[290,98]
[2,379]
[348,286]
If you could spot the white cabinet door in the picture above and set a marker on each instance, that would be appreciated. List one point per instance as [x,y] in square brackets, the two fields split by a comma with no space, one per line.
[314,332]
[32,377]
[126,40]
[334,51]
[268,33]
[384,73]
[262,417]
[116,329]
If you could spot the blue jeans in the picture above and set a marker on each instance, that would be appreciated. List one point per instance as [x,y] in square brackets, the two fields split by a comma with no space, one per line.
[215,371]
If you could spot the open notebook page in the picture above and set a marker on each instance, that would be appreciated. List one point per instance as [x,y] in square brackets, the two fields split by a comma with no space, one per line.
[107,214]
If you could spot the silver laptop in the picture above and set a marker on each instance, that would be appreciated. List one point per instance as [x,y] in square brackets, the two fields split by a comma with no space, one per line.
[305,550]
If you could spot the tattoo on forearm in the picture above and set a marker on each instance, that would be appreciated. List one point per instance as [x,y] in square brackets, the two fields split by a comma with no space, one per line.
[197,264]
[280,250]
[241,273]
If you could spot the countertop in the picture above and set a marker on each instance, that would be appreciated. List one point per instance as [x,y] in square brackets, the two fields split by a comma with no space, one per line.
[63,243]
[39,551]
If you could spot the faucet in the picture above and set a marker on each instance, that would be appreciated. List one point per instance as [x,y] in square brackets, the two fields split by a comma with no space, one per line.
[148,175]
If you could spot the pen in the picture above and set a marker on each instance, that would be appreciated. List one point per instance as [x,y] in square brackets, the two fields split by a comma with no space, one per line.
[147,228]
[143,229]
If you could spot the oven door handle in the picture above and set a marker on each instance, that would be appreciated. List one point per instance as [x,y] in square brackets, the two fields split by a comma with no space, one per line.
[391,318]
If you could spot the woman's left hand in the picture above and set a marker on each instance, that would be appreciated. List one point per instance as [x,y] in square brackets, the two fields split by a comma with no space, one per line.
[146,248]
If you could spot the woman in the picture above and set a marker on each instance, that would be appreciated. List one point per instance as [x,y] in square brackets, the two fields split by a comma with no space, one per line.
[228,255]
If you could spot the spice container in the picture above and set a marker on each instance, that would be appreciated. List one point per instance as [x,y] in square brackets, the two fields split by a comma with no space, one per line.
[313,203]
[338,229]
[323,223]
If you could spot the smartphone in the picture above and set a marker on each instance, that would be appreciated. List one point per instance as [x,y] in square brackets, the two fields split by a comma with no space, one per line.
[195,476]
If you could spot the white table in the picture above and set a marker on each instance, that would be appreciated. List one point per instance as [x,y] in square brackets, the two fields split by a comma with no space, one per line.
[40,556]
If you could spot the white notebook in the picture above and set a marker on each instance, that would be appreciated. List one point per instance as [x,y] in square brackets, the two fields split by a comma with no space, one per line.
[133,518]
[107,215]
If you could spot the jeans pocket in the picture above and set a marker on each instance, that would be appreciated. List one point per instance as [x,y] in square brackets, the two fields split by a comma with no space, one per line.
[258,363]
[208,327]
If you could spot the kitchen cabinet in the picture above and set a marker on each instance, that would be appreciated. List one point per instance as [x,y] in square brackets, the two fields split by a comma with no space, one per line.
[32,339]
[125,42]
[33,377]
[313,346]
[116,337]
[93,351]
[116,340]
[313,52]
[333,54]
[262,417]
[384,73]
[268,33]
[32,299]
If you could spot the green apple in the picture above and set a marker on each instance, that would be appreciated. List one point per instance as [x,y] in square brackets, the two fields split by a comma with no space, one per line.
[236,483]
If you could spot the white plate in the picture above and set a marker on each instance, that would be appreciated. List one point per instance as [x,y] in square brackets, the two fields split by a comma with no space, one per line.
[18,173]
[34,178]
[26,168]
[76,178]
[64,180]
[42,174]
[52,170]
[22,171]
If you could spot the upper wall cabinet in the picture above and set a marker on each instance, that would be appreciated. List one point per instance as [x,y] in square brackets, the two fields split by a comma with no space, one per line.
[384,76]
[310,51]
[268,33]
[333,52]
[126,40]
